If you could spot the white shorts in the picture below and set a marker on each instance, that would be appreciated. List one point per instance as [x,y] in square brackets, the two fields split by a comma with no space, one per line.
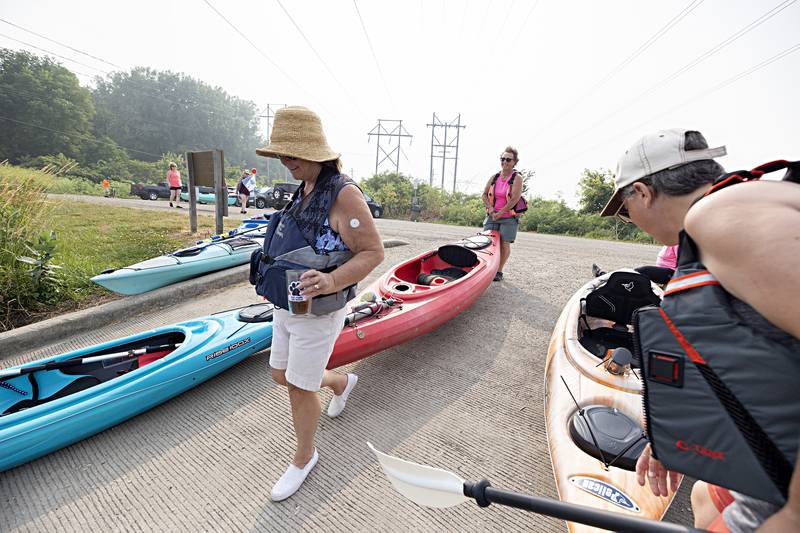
[302,345]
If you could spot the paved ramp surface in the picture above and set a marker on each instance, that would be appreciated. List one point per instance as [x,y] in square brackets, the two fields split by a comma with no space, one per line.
[467,397]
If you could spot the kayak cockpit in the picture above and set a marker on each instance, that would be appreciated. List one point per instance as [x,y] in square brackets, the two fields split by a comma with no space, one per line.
[607,310]
[448,264]
[90,369]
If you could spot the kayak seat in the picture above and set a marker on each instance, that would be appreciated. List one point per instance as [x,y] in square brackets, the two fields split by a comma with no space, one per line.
[450,272]
[240,242]
[616,433]
[457,256]
[619,297]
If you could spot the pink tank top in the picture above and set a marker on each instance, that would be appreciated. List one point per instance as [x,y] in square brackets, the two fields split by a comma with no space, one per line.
[174,178]
[501,190]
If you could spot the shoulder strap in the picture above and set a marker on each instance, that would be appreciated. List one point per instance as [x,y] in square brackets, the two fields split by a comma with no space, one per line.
[494,179]
[741,176]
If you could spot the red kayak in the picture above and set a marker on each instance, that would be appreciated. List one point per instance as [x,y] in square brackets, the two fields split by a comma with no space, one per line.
[417,296]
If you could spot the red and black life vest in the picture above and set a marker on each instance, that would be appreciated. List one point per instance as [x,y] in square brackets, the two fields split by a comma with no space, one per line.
[721,399]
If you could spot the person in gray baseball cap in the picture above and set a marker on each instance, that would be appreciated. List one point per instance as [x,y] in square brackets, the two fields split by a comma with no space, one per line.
[748,238]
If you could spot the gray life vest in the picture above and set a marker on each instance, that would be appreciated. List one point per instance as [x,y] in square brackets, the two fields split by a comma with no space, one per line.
[721,400]
[290,244]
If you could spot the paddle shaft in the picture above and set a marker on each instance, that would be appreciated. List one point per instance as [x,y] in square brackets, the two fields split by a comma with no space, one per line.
[484,494]
[211,240]
[53,365]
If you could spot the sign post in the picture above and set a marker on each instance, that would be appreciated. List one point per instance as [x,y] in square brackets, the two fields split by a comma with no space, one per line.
[206,169]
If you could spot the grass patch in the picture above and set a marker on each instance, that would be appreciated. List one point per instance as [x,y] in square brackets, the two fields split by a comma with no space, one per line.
[92,237]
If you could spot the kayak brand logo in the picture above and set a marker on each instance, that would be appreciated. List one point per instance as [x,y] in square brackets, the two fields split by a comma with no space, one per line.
[628,286]
[699,449]
[606,492]
[227,349]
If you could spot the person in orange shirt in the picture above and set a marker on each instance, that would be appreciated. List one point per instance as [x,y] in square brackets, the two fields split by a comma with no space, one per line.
[106,187]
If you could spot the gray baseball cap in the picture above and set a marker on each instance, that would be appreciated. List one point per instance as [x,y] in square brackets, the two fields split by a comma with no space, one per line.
[652,153]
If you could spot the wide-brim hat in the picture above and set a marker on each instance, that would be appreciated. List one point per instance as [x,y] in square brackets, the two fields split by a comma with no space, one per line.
[297,132]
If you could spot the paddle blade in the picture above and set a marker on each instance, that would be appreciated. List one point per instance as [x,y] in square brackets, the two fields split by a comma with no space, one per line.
[423,485]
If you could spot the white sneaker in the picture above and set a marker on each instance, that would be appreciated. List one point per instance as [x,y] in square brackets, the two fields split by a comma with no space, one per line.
[336,406]
[292,479]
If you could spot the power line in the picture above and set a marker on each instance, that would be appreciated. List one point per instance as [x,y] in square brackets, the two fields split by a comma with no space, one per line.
[625,62]
[525,21]
[721,85]
[61,44]
[261,52]
[53,53]
[374,56]
[319,57]
[702,57]
[80,135]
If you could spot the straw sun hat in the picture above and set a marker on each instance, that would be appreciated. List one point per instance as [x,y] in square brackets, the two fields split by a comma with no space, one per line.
[297,132]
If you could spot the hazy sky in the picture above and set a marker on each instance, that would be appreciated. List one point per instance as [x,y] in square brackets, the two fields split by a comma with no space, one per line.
[569,83]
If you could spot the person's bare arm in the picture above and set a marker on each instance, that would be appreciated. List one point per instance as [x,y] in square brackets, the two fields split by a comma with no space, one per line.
[749,238]
[351,219]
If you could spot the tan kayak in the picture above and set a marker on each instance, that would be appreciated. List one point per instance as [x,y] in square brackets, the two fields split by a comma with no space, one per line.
[610,404]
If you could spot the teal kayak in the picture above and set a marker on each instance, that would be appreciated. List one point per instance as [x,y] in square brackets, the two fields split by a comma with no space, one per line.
[208,198]
[51,403]
[218,254]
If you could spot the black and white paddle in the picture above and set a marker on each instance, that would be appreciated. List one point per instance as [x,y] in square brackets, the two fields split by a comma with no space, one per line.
[434,487]
[129,354]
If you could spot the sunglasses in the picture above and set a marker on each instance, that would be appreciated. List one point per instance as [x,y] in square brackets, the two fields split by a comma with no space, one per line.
[288,158]
[623,215]
[506,159]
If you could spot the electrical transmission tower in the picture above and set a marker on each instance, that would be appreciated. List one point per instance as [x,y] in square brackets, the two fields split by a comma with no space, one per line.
[271,108]
[382,130]
[446,147]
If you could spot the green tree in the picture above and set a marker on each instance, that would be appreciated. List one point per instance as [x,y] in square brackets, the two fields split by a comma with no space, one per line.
[393,190]
[158,111]
[595,189]
[42,93]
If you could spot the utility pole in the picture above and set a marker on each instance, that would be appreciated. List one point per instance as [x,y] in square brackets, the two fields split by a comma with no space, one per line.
[381,130]
[446,147]
[271,108]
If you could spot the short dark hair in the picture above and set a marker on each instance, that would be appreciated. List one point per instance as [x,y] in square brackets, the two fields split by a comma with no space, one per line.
[684,179]
[512,150]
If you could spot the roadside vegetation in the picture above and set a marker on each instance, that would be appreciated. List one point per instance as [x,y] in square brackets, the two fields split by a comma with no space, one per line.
[395,192]
[50,250]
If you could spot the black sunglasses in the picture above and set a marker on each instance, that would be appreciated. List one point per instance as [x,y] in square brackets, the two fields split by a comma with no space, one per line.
[623,215]
[290,158]
[506,159]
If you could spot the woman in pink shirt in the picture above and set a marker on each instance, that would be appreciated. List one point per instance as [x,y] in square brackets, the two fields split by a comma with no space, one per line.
[174,182]
[502,192]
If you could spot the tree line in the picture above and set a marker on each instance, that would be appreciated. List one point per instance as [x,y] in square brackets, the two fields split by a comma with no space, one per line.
[126,126]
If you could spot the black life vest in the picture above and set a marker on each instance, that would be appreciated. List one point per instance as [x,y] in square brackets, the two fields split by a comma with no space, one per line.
[289,243]
[721,401]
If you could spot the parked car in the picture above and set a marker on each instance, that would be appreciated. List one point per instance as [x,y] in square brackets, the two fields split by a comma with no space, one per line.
[146,191]
[374,207]
[281,193]
[260,199]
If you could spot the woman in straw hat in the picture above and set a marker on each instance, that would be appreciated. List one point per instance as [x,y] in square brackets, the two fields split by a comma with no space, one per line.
[327,231]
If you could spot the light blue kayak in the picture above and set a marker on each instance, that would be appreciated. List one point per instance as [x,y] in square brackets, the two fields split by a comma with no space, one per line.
[46,410]
[205,257]
[207,198]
